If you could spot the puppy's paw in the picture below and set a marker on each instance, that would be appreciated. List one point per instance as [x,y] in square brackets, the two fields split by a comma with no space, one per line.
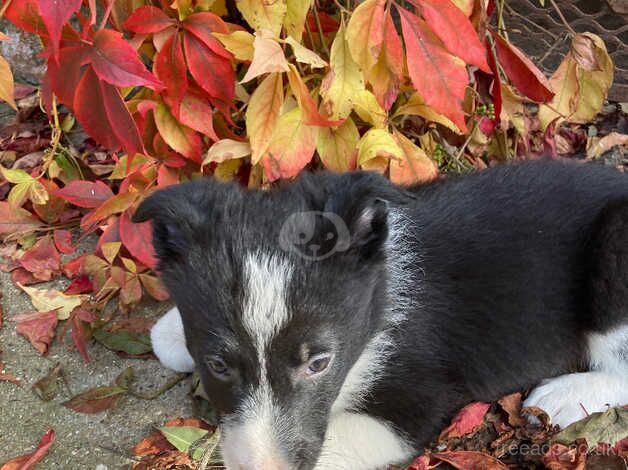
[168,341]
[570,398]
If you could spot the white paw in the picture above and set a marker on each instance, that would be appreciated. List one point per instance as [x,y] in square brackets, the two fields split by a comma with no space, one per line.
[569,398]
[168,342]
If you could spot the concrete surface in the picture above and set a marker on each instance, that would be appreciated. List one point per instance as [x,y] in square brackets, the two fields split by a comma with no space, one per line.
[83,441]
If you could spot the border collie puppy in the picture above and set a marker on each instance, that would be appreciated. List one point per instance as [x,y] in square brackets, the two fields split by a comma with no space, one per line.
[340,321]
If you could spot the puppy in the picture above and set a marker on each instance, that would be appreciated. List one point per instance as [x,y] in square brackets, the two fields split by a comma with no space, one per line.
[340,321]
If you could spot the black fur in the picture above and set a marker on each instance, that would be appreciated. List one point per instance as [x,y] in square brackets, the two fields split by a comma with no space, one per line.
[514,266]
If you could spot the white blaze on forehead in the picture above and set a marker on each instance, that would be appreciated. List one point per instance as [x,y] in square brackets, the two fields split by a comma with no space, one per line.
[250,437]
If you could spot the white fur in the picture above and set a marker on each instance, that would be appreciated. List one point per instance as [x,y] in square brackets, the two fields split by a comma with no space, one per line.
[168,340]
[250,437]
[571,397]
[359,442]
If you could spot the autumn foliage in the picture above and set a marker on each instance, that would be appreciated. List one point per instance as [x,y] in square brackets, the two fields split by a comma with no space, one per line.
[254,91]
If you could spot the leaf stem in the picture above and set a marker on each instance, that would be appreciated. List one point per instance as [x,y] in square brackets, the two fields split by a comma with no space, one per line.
[562,17]
[5,7]
[105,17]
[320,28]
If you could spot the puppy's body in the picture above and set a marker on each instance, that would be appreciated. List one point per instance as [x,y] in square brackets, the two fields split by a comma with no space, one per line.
[422,300]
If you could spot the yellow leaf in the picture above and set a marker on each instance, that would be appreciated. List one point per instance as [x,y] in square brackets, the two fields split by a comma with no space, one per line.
[18,195]
[376,147]
[268,57]
[580,93]
[15,176]
[175,134]
[304,55]
[337,147]
[262,114]
[343,81]
[414,165]
[7,86]
[465,5]
[45,300]
[227,149]
[512,110]
[606,143]
[263,14]
[594,84]
[365,33]
[26,187]
[295,17]
[369,110]
[239,43]
[416,106]
[110,250]
[291,148]
[227,170]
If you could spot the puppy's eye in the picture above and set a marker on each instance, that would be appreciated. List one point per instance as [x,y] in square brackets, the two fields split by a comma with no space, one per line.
[318,365]
[218,367]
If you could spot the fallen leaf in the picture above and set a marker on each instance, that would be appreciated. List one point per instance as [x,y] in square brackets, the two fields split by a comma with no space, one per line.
[466,421]
[46,388]
[28,461]
[80,285]
[466,460]
[126,341]
[38,328]
[511,404]
[583,51]
[16,221]
[46,300]
[63,241]
[608,427]
[42,259]
[561,457]
[95,400]
[182,437]
[6,377]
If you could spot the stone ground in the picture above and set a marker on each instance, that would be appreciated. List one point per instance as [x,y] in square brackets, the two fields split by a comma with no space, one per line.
[83,441]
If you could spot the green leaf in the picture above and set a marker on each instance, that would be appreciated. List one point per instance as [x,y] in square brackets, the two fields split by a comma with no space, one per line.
[182,437]
[130,343]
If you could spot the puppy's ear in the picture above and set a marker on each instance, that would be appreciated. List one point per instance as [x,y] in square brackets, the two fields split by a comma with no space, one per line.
[176,213]
[362,200]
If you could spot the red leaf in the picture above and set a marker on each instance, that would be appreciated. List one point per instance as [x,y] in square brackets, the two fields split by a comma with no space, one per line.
[561,457]
[63,241]
[42,259]
[148,20]
[115,205]
[26,462]
[171,70]
[466,421]
[154,287]
[453,27]
[95,400]
[15,220]
[74,267]
[6,377]
[202,25]
[438,76]
[328,23]
[38,328]
[109,234]
[197,114]
[55,14]
[65,74]
[523,74]
[465,460]
[80,285]
[311,116]
[137,238]
[115,61]
[24,277]
[78,337]
[25,15]
[103,114]
[85,193]
[213,73]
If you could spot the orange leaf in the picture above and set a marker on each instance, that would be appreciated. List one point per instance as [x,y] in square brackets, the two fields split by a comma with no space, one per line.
[438,76]
[365,33]
[26,462]
[268,57]
[466,421]
[311,116]
[262,114]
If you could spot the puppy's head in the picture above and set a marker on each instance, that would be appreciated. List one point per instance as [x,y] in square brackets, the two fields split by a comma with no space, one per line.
[279,292]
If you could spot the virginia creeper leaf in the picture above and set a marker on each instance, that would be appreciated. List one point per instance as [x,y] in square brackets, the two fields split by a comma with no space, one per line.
[28,461]
[268,57]
[296,13]
[169,67]
[46,300]
[137,238]
[38,328]
[55,14]
[438,76]
[414,166]
[181,138]
[365,33]
[261,14]
[148,19]
[291,147]
[85,193]
[311,116]
[239,43]
[337,146]
[7,87]
[262,114]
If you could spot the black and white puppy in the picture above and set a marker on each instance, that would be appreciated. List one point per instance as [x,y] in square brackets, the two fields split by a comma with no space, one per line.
[340,321]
